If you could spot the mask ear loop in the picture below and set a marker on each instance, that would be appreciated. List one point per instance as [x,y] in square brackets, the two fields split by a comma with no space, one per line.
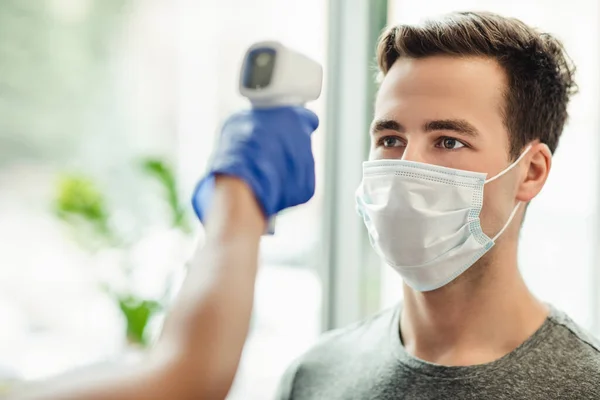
[512,215]
[511,166]
[514,211]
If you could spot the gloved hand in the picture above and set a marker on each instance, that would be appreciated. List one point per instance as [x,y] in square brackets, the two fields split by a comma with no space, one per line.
[270,149]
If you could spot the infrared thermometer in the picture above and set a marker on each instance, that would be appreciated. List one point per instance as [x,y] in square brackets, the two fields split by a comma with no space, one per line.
[274,75]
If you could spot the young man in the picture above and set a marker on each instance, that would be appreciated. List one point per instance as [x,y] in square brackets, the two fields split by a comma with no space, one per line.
[468,101]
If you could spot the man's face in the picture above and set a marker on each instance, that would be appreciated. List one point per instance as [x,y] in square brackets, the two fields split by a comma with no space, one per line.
[448,111]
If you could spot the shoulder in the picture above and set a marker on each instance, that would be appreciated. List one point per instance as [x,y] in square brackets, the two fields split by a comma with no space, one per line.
[354,338]
[336,348]
[576,344]
[574,332]
[568,358]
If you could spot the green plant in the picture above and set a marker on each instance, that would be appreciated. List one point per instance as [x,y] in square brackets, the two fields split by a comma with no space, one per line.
[81,204]
[138,312]
[165,176]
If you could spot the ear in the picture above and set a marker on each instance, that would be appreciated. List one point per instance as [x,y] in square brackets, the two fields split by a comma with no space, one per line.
[536,167]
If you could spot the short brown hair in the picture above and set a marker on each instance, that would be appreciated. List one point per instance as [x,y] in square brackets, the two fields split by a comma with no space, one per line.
[539,72]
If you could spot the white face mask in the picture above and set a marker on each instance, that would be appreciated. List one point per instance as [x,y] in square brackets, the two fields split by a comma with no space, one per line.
[423,219]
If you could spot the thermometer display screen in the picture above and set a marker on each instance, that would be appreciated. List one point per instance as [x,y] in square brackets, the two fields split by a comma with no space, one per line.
[259,68]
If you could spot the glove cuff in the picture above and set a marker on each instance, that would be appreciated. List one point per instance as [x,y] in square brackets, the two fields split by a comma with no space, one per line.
[204,193]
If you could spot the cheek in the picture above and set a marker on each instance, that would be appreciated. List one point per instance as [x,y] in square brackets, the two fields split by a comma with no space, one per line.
[373,154]
[498,199]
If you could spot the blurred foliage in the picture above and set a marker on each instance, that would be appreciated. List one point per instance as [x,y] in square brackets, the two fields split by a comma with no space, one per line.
[55,79]
[165,176]
[80,203]
[78,195]
[58,92]
[138,312]
[5,388]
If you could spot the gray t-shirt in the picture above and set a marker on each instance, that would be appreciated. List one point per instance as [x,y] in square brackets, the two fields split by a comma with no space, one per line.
[367,361]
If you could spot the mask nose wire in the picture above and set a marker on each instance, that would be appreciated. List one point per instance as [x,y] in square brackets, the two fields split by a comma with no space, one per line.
[511,166]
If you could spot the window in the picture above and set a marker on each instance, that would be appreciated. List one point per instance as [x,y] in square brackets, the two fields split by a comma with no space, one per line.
[96,85]
[89,91]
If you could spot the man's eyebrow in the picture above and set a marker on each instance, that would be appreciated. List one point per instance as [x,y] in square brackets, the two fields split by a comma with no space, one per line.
[457,125]
[386,125]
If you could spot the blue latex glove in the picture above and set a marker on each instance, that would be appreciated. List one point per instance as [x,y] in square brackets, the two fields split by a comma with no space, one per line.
[270,149]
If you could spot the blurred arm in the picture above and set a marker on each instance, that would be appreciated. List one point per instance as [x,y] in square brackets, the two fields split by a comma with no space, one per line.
[202,341]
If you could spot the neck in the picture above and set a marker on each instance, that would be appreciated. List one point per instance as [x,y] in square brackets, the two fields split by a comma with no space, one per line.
[480,317]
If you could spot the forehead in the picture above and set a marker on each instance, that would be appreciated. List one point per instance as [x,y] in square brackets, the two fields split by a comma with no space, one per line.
[469,88]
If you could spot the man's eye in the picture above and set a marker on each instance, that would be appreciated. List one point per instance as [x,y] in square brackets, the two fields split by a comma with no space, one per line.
[391,141]
[449,143]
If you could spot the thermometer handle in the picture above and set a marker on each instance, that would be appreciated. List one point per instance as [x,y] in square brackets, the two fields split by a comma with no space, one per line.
[271,226]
